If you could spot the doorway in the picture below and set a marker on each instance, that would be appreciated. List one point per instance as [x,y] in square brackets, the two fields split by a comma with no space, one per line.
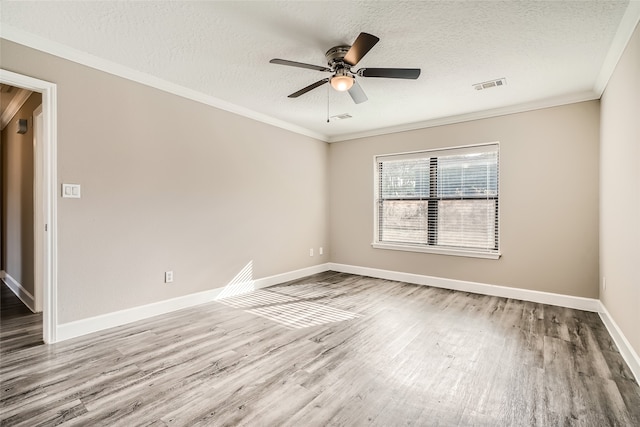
[45,195]
[18,126]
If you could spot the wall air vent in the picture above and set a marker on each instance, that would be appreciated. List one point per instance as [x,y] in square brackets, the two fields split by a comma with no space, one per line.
[343,116]
[489,84]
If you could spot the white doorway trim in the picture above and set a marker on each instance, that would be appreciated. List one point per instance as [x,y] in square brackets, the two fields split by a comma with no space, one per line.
[39,235]
[45,186]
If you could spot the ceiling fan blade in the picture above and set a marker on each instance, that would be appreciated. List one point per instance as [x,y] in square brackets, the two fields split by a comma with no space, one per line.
[298,64]
[308,88]
[357,94]
[390,73]
[360,47]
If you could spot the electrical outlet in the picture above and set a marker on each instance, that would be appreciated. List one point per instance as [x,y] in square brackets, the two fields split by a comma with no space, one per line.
[320,251]
[311,252]
[168,276]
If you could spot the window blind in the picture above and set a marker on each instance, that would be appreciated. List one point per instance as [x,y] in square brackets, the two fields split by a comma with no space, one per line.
[440,199]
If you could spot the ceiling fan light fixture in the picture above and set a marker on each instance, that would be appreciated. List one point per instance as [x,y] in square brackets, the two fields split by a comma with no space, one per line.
[340,60]
[342,83]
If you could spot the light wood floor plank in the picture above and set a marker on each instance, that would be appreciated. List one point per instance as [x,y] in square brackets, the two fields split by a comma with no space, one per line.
[330,349]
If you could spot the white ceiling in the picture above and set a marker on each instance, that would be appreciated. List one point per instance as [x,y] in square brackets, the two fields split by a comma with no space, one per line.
[218,52]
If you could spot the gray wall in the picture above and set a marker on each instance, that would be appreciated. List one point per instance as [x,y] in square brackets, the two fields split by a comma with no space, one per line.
[620,193]
[171,184]
[548,199]
[17,251]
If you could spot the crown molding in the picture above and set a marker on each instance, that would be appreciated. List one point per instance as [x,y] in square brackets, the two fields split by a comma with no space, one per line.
[477,115]
[625,30]
[627,26]
[33,41]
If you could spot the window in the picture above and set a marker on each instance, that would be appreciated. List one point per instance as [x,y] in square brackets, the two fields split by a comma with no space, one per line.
[443,201]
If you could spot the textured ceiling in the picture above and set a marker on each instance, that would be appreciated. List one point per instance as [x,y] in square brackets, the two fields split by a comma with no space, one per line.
[548,51]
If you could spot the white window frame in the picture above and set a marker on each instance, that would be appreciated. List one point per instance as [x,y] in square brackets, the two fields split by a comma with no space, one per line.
[377,244]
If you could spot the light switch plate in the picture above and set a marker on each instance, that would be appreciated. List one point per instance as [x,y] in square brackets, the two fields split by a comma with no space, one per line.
[71,191]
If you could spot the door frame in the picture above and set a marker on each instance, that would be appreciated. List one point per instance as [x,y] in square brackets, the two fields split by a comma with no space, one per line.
[38,221]
[45,192]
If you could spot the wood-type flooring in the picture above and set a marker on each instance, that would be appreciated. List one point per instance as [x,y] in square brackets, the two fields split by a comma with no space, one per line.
[331,349]
[19,327]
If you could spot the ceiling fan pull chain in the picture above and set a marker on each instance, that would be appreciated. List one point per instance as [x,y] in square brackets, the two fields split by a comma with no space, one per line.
[328,94]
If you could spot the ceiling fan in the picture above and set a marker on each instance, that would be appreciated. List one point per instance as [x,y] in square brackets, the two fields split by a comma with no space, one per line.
[340,59]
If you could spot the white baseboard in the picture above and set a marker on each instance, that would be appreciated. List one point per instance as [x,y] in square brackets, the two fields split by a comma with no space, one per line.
[626,350]
[291,275]
[94,324]
[81,327]
[579,303]
[24,295]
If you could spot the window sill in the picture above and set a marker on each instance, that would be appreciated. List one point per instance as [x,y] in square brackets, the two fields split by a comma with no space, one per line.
[436,250]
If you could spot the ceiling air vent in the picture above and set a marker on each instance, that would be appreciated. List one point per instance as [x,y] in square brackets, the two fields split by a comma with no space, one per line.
[343,116]
[489,84]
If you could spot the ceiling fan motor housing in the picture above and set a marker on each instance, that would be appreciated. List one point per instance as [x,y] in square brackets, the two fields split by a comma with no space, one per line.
[335,57]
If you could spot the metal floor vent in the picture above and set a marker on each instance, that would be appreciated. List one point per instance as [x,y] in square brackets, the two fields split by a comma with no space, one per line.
[490,84]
